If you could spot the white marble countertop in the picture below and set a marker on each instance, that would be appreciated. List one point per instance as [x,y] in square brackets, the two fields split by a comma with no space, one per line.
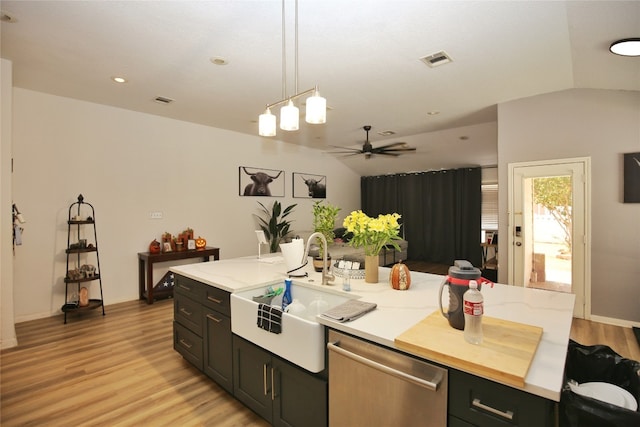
[398,311]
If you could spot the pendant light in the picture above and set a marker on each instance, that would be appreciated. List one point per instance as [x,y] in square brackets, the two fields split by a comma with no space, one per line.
[316,106]
[289,117]
[267,123]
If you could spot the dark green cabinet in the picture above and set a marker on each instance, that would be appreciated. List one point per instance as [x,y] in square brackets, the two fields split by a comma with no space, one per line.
[202,329]
[474,401]
[218,357]
[282,393]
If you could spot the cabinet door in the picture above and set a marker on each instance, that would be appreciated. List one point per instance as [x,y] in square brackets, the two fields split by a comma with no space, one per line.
[188,313]
[486,403]
[189,287]
[300,398]
[218,300]
[188,344]
[252,380]
[218,352]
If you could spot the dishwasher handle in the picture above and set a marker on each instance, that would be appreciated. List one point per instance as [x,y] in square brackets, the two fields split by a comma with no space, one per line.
[433,386]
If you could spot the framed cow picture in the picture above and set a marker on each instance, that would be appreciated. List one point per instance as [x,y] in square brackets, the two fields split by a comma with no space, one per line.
[309,186]
[261,182]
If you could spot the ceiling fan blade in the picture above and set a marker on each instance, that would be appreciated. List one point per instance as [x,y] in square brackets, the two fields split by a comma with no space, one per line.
[392,149]
[350,153]
[345,154]
[393,145]
[400,150]
[347,148]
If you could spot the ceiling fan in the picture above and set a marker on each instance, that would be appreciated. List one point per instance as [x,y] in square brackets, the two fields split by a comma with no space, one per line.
[393,149]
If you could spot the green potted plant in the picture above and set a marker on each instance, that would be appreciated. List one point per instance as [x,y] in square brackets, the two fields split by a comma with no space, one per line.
[273,223]
[324,219]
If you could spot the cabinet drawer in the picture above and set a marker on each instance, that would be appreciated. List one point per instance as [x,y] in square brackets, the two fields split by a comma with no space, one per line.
[218,300]
[485,403]
[188,313]
[189,287]
[188,344]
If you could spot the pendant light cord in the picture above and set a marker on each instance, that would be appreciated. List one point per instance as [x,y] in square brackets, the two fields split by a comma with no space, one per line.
[284,51]
[284,54]
[296,49]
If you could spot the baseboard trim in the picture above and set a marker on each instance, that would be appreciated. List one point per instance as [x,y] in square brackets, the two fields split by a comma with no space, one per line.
[36,316]
[12,342]
[614,321]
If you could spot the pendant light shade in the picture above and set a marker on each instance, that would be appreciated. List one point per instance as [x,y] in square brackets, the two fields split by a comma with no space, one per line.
[289,117]
[267,124]
[626,47]
[316,109]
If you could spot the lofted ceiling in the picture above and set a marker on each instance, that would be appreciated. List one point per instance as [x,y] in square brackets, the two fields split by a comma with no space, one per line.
[363,54]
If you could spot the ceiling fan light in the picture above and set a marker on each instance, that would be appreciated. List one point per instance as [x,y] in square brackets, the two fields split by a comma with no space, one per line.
[626,47]
[316,109]
[267,124]
[289,117]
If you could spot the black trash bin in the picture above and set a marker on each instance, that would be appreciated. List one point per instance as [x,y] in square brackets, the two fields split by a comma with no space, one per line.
[598,363]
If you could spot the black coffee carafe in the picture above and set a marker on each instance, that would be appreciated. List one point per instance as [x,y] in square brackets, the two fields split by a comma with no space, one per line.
[458,283]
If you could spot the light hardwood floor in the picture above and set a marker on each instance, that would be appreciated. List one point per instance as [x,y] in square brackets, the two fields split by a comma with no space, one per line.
[121,370]
[116,370]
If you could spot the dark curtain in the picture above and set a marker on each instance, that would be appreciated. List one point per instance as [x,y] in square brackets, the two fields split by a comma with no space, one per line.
[440,211]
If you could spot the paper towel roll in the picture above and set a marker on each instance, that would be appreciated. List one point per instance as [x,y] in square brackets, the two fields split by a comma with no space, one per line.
[292,253]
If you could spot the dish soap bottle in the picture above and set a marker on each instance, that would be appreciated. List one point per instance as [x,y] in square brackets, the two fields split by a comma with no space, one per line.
[286,297]
[473,310]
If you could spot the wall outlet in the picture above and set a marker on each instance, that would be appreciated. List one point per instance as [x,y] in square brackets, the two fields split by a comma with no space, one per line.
[155,215]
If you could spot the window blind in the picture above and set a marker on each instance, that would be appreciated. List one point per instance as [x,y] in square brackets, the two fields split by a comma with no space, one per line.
[489,206]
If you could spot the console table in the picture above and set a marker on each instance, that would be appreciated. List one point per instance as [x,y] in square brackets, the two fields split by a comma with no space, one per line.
[148,259]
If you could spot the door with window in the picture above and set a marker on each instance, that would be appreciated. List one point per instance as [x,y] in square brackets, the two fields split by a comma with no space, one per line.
[548,223]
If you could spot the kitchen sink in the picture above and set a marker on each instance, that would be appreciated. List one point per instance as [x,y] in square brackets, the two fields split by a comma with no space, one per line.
[302,340]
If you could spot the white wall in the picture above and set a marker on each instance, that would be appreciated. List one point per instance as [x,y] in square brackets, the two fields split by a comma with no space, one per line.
[603,125]
[127,165]
[7,332]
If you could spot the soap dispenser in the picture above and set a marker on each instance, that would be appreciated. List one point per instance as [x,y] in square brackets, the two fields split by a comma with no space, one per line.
[286,297]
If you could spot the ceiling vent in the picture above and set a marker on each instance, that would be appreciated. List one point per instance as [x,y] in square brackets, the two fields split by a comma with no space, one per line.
[163,100]
[436,59]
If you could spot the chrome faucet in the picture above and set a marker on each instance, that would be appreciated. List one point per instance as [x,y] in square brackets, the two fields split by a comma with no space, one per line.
[327,277]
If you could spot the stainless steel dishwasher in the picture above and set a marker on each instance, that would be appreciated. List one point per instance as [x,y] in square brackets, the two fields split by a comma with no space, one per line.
[370,385]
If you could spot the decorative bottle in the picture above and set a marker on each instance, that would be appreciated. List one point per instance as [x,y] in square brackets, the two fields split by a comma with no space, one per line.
[473,310]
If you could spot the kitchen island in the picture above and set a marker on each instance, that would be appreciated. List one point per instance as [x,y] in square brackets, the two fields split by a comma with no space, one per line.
[398,311]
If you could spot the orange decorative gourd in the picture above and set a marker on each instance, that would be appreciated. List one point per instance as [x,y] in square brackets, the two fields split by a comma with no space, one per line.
[154,247]
[201,243]
[400,277]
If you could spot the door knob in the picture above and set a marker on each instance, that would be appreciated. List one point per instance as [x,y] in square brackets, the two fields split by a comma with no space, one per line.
[518,243]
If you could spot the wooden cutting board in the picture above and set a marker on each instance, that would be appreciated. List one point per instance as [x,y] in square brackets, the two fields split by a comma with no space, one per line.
[505,354]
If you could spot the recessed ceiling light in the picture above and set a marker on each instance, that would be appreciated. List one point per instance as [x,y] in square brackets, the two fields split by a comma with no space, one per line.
[119,79]
[218,60]
[433,113]
[626,47]
[464,138]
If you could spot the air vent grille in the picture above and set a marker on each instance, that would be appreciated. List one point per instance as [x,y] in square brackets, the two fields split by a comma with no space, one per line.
[436,59]
[163,100]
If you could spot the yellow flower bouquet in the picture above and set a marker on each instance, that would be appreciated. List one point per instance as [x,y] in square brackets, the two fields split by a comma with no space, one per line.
[373,233]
